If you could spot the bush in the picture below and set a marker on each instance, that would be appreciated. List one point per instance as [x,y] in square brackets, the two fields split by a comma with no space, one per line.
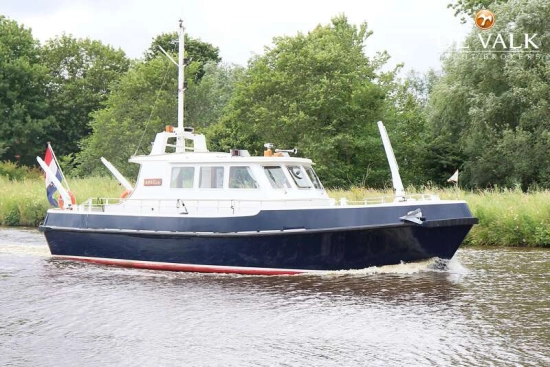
[14,172]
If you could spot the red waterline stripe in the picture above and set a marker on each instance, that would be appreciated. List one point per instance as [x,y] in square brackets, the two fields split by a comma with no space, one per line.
[185,267]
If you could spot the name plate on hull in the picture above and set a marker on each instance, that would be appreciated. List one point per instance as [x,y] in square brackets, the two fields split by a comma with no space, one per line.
[152,182]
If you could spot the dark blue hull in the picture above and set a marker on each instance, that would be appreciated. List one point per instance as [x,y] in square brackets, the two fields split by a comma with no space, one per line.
[293,244]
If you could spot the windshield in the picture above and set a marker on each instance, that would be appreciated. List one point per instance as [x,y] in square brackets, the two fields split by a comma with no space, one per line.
[314,179]
[299,177]
[276,177]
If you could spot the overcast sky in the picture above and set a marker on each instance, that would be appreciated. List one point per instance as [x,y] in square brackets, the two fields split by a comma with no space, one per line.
[413,32]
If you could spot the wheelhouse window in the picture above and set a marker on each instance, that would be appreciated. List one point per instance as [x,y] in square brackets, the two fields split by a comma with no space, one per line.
[276,177]
[314,179]
[182,177]
[299,177]
[241,178]
[211,177]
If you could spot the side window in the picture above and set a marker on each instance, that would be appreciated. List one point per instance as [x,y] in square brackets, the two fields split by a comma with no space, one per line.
[276,177]
[241,178]
[314,179]
[299,177]
[211,178]
[182,177]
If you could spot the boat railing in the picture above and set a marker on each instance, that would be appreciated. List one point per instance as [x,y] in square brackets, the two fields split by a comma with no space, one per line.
[184,206]
[228,206]
[391,199]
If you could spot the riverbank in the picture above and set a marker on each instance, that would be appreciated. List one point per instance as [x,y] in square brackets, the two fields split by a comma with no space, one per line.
[24,202]
[506,217]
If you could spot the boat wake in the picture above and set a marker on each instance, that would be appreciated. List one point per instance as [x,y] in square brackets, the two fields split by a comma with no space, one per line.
[452,266]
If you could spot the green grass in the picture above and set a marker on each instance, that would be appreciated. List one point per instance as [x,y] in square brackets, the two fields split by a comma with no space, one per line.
[24,202]
[506,217]
[510,218]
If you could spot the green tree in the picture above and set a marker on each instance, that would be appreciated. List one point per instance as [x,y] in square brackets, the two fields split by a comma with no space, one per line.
[145,100]
[320,93]
[140,105]
[406,118]
[445,125]
[206,101]
[82,74]
[24,107]
[492,103]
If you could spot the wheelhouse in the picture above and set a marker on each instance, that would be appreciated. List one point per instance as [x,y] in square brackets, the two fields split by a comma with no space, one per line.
[256,176]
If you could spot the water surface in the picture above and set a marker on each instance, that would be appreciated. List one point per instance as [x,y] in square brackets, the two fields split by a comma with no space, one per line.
[490,307]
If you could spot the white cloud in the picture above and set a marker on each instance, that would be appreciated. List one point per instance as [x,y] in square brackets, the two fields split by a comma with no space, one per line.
[412,32]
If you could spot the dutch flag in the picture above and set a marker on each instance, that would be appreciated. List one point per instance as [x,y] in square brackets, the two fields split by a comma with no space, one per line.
[50,187]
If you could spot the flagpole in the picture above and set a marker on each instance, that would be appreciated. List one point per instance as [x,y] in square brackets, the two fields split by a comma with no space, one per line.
[58,165]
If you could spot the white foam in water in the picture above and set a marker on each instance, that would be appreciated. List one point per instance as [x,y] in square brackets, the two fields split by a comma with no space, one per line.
[452,266]
[403,268]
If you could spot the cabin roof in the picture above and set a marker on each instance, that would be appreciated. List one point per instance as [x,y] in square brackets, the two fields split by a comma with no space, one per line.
[216,157]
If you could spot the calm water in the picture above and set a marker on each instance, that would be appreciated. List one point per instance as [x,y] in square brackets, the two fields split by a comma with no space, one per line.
[489,308]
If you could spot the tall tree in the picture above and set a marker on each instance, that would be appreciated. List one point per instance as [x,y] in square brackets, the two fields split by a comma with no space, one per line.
[206,101]
[145,100]
[82,75]
[141,104]
[319,92]
[405,114]
[24,107]
[493,102]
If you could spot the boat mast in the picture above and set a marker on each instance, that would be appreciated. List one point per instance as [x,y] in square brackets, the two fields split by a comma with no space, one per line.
[180,142]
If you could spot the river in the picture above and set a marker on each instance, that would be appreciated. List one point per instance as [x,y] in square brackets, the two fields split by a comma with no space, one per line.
[490,307]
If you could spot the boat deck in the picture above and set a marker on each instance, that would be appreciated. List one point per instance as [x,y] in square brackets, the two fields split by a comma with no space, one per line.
[225,207]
